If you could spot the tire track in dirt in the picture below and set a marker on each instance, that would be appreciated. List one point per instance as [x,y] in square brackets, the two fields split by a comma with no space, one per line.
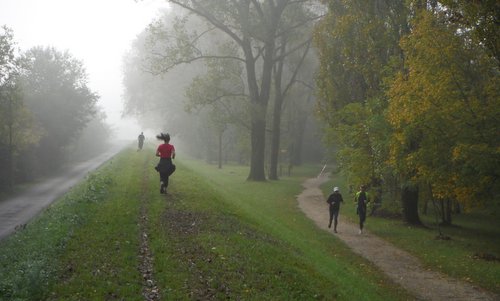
[150,290]
[400,266]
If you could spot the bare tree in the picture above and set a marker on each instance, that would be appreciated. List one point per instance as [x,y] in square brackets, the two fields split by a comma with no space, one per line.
[254,27]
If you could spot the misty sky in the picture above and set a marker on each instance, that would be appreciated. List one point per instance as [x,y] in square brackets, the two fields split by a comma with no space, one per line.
[98,32]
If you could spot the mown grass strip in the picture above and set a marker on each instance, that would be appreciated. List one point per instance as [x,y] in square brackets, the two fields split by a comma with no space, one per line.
[29,259]
[473,233]
[150,290]
[101,260]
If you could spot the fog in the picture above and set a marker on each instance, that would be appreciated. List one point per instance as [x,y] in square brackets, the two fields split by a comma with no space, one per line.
[266,85]
[96,32]
[209,81]
[145,66]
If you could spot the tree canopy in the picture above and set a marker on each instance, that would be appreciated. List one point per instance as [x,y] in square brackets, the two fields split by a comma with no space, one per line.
[240,54]
[55,89]
[447,101]
[45,104]
[251,27]
[409,92]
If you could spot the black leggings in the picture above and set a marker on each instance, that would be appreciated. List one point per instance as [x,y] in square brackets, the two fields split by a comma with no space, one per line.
[334,214]
[165,168]
[362,217]
[164,178]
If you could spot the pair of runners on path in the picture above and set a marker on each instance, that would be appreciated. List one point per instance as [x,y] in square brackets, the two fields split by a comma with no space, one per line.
[334,200]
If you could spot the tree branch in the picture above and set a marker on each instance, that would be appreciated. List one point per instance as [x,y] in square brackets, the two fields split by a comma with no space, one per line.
[305,84]
[307,42]
[178,62]
[210,18]
[296,71]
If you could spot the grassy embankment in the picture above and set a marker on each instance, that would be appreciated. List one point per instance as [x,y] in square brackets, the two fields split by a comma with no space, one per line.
[213,236]
[472,234]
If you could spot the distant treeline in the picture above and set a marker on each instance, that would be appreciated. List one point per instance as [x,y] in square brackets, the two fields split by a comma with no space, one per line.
[48,114]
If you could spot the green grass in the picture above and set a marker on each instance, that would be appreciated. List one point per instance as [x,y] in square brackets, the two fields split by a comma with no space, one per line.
[100,261]
[29,260]
[250,241]
[214,235]
[472,233]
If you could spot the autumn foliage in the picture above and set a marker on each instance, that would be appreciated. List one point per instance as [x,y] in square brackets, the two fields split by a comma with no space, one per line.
[419,83]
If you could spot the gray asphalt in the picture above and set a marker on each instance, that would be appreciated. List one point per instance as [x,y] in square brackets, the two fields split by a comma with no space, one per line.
[21,208]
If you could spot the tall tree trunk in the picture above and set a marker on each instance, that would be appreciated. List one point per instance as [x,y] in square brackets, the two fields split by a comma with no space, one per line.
[257,116]
[409,198]
[11,146]
[424,209]
[298,139]
[275,139]
[456,207]
[426,195]
[443,215]
[220,149]
[278,103]
[448,212]
[259,107]
[258,138]
[279,100]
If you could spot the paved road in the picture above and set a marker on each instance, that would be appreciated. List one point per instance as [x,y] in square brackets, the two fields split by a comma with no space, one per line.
[22,207]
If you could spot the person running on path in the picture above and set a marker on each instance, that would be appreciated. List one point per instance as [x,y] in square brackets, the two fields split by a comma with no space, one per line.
[140,141]
[361,199]
[165,167]
[334,201]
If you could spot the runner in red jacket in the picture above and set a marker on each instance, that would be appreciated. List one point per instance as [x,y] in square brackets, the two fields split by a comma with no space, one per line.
[165,167]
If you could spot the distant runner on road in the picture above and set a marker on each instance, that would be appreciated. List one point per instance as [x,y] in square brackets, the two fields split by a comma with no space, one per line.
[140,140]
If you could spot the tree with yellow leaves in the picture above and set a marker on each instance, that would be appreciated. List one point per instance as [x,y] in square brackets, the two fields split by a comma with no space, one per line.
[445,110]
[356,42]
[358,45]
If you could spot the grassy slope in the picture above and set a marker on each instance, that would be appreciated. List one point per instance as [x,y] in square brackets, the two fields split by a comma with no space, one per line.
[254,234]
[83,247]
[100,261]
[471,234]
[214,236]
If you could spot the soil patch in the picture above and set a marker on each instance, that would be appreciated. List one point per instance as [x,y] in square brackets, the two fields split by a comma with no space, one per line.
[182,222]
[183,227]
[150,290]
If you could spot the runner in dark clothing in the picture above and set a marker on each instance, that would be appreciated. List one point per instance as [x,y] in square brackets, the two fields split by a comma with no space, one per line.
[361,200]
[140,140]
[334,200]
[165,167]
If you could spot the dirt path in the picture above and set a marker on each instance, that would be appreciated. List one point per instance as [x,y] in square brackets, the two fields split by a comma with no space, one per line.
[399,265]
